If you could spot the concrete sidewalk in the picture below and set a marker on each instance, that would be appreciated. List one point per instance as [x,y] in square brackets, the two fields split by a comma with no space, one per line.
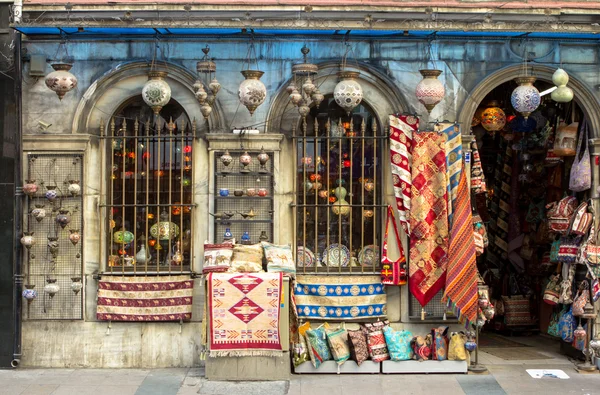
[501,379]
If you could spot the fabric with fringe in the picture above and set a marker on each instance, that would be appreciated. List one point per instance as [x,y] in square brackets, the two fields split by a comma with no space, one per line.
[244,311]
[461,276]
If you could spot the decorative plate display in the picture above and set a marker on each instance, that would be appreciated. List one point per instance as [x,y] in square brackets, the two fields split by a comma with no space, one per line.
[336,255]
[369,256]
[305,257]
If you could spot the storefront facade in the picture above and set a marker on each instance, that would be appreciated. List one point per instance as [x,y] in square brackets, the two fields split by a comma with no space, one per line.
[112,66]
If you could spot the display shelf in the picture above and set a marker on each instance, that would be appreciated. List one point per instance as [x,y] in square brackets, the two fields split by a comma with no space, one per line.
[233,173]
[348,367]
[405,367]
[243,221]
[243,197]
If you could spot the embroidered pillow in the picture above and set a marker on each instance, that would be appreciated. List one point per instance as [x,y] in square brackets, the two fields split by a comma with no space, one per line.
[247,258]
[359,351]
[376,341]
[338,345]
[300,349]
[398,343]
[316,341]
[279,259]
[217,257]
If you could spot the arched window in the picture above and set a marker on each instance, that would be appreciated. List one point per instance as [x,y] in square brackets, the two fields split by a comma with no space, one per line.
[150,189]
[339,184]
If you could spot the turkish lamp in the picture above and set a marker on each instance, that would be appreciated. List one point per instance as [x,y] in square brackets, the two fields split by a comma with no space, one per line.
[295,97]
[303,109]
[348,93]
[493,117]
[156,92]
[525,99]
[200,92]
[291,88]
[317,97]
[308,87]
[51,287]
[430,91]
[562,94]
[76,284]
[205,109]
[214,86]
[252,92]
[61,81]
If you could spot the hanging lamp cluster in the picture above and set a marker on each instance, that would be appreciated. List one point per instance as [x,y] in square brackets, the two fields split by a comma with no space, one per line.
[206,77]
[302,90]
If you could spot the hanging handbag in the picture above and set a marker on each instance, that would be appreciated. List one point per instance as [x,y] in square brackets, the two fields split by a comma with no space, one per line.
[581,172]
[566,136]
[554,251]
[595,283]
[560,213]
[566,326]
[581,299]
[392,272]
[582,220]
[566,286]
[568,250]
[552,291]
[553,327]
[592,248]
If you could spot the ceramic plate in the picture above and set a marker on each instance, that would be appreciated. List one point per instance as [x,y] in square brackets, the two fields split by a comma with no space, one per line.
[305,257]
[368,256]
[336,255]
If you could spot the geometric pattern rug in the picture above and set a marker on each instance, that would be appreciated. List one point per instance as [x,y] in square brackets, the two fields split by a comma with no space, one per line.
[244,311]
[148,298]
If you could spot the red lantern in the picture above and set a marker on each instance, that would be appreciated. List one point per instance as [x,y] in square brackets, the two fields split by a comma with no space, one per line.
[332,199]
[131,155]
[146,155]
[152,242]
[346,163]
[187,149]
[315,177]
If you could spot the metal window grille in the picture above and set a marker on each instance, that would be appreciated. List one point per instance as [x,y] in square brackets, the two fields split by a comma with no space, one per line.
[64,262]
[339,153]
[150,196]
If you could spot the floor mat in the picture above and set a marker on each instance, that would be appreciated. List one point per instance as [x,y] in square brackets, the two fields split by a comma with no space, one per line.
[516,353]
[495,340]
[476,385]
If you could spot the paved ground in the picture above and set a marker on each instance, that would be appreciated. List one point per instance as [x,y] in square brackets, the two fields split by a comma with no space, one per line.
[504,377]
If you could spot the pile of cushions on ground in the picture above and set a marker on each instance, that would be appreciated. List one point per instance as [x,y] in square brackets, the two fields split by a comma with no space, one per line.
[378,342]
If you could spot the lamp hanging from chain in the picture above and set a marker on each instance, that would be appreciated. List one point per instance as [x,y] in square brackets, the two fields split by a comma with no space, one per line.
[156,92]
[348,93]
[252,92]
[525,98]
[562,94]
[61,80]
[430,91]
[302,90]
[206,77]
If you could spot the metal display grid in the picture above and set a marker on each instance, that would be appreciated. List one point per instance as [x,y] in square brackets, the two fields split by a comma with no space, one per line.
[55,170]
[231,178]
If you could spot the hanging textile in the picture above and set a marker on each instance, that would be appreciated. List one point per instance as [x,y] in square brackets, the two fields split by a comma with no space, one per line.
[392,272]
[428,216]
[461,279]
[402,128]
[453,162]
[477,177]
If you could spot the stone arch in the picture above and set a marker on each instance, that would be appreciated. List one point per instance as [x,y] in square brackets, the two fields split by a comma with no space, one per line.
[105,95]
[583,96]
[380,93]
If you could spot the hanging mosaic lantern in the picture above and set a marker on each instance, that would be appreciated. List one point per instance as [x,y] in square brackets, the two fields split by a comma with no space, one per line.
[477,117]
[76,284]
[63,218]
[525,98]
[562,94]
[27,240]
[51,287]
[61,81]
[74,237]
[156,92]
[430,91]
[30,188]
[29,293]
[252,92]
[39,213]
[123,237]
[74,187]
[164,230]
[493,117]
[348,93]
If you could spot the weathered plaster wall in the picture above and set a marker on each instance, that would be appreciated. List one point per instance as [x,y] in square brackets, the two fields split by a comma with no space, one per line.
[465,64]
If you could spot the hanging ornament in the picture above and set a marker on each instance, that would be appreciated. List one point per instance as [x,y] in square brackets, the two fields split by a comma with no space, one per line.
[74,237]
[308,93]
[562,94]
[156,92]
[123,237]
[493,117]
[177,257]
[252,92]
[76,285]
[348,93]
[51,193]
[164,230]
[29,293]
[27,240]
[53,246]
[341,206]
[39,213]
[430,91]
[61,81]
[263,158]
[206,69]
[525,98]
[30,188]
[74,188]
[63,218]
[51,287]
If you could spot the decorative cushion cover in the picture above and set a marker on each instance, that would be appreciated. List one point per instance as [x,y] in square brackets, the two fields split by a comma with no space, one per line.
[517,311]
[338,345]
[217,257]
[279,258]
[359,350]
[398,343]
[247,258]
[378,350]
[300,349]
[316,340]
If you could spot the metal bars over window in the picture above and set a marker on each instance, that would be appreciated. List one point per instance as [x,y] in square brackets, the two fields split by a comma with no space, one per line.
[339,191]
[150,210]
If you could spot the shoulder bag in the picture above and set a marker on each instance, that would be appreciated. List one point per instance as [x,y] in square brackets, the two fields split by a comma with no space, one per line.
[581,172]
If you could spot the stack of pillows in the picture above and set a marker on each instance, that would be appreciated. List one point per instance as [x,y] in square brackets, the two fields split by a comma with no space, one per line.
[376,341]
[254,258]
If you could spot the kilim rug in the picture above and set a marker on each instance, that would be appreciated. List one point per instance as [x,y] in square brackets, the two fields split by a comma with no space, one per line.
[402,128]
[428,216]
[244,311]
[150,298]
[461,278]
[339,297]
[453,162]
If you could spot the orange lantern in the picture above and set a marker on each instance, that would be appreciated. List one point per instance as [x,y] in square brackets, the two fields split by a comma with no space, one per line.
[176,210]
[151,242]
[493,118]
[332,199]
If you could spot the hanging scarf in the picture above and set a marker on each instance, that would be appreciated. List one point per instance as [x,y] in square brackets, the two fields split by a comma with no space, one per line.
[477,176]
[453,162]
[461,280]
[401,135]
[428,216]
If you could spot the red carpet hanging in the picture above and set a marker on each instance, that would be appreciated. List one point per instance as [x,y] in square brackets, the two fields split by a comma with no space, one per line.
[461,281]
[402,128]
[428,216]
